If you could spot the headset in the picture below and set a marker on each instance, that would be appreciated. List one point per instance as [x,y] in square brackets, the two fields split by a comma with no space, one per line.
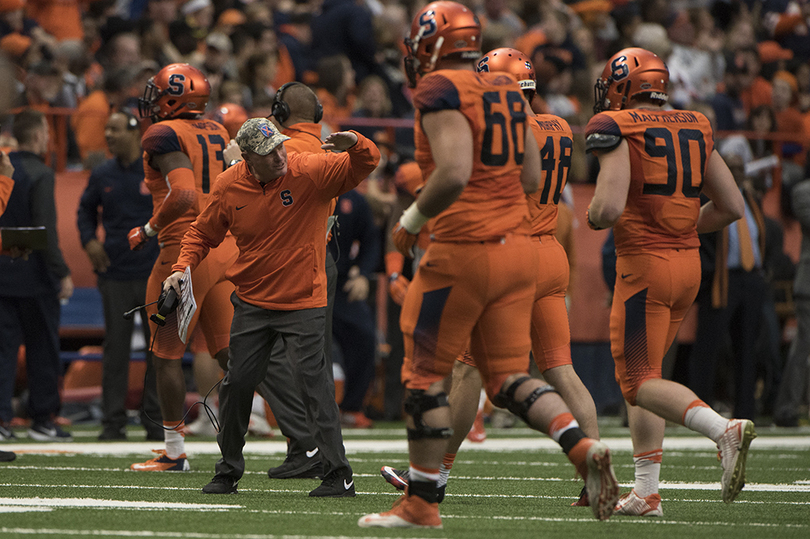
[167,304]
[132,121]
[281,110]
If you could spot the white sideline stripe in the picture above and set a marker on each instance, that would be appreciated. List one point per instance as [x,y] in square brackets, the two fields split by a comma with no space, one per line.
[116,504]
[190,535]
[664,485]
[24,509]
[385,446]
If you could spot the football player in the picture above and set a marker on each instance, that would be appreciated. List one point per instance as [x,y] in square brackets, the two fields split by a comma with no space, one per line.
[476,282]
[551,337]
[183,154]
[653,166]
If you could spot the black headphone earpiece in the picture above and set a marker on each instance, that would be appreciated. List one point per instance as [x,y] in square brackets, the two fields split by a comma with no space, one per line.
[132,121]
[281,110]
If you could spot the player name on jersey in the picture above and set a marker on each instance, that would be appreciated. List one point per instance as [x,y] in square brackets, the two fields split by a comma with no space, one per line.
[670,117]
[550,125]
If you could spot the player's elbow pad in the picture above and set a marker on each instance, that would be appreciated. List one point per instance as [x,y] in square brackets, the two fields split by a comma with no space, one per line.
[599,142]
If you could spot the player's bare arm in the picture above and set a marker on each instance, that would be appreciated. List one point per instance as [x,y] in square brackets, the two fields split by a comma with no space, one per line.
[726,203]
[612,185]
[451,144]
[530,174]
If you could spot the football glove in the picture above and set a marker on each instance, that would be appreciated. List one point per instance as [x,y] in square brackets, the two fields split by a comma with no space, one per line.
[139,235]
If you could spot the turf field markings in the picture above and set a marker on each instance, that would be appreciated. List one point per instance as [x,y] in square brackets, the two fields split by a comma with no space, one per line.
[400,445]
[93,503]
[181,535]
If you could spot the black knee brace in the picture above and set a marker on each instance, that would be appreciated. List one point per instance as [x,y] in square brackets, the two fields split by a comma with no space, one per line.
[417,404]
[506,399]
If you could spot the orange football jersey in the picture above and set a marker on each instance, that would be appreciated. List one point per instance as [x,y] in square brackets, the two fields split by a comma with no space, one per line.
[556,142]
[306,137]
[203,141]
[669,151]
[493,203]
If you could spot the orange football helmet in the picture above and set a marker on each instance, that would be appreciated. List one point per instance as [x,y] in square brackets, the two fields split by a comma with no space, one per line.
[439,30]
[629,74]
[231,116]
[514,62]
[174,90]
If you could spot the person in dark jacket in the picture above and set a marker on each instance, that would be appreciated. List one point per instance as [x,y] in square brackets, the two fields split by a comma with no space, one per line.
[31,287]
[353,320]
[116,195]
[345,27]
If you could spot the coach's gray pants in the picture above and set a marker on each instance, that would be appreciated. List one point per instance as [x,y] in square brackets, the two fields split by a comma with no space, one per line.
[280,389]
[253,332]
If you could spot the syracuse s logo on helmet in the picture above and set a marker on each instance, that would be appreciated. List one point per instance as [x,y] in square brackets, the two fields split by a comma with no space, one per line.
[619,68]
[176,86]
[428,19]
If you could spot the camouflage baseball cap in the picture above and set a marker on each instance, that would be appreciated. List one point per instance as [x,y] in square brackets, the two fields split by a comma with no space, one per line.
[260,136]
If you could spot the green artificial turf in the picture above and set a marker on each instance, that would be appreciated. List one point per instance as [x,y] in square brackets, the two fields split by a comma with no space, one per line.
[491,494]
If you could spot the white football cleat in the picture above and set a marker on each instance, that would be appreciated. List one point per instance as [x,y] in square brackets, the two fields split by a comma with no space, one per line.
[632,505]
[733,452]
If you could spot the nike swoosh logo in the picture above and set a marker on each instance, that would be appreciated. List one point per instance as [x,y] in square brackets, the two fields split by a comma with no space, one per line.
[240,207]
[164,263]
[626,275]
[346,485]
[312,453]
[430,264]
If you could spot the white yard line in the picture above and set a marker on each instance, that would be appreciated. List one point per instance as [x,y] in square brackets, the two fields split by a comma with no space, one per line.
[385,446]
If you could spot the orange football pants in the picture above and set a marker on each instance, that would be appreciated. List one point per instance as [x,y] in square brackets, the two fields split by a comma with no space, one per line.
[212,292]
[477,293]
[653,292]
[550,332]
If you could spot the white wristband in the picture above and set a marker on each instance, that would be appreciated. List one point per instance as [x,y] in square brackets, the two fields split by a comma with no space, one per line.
[149,230]
[412,219]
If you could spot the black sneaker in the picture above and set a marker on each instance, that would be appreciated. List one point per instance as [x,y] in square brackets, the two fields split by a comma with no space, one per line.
[48,431]
[7,456]
[113,434]
[221,484]
[338,484]
[6,433]
[300,466]
[399,479]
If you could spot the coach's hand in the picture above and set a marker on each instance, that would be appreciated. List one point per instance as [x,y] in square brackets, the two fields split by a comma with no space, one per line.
[340,141]
[173,281]
[97,255]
